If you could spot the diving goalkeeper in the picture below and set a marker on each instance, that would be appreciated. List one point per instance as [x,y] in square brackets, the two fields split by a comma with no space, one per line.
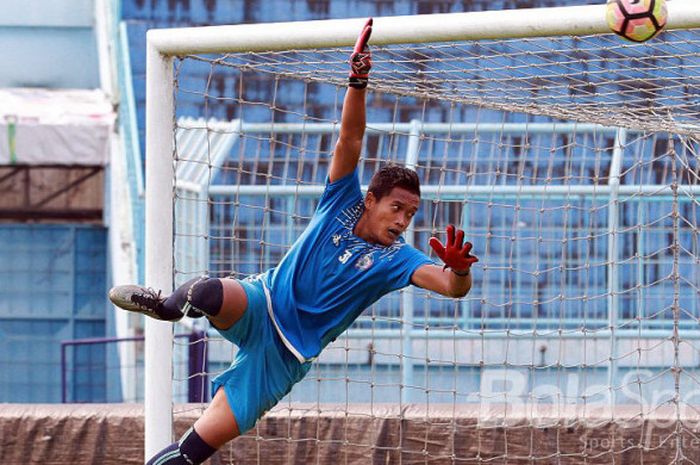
[351,254]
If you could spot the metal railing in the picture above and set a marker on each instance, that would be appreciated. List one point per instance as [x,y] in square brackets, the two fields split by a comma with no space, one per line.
[195,372]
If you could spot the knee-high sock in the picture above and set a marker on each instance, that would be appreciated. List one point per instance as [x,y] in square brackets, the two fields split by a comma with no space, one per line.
[197,297]
[189,450]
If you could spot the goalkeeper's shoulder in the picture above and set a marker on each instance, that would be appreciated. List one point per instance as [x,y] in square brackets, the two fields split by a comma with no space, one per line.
[340,194]
[348,183]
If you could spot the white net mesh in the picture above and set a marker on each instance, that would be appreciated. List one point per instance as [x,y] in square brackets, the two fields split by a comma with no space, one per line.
[572,165]
[599,79]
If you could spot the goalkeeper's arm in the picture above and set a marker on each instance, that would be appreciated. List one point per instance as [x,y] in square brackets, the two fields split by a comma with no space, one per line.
[353,120]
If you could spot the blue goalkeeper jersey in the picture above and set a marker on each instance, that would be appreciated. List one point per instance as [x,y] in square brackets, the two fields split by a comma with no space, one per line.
[330,276]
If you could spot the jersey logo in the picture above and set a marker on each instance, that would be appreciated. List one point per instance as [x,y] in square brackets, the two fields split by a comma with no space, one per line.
[336,239]
[345,257]
[365,262]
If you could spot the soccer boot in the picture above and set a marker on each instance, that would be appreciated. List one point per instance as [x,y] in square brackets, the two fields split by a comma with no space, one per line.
[142,300]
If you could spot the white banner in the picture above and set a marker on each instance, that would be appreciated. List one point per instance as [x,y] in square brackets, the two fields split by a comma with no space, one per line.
[66,127]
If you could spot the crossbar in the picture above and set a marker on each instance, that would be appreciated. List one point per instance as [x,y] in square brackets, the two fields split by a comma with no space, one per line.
[447,27]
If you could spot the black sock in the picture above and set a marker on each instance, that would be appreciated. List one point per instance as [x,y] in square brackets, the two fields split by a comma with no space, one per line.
[189,450]
[197,297]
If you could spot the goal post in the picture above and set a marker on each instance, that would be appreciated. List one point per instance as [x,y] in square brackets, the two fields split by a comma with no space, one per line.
[158,250]
[164,45]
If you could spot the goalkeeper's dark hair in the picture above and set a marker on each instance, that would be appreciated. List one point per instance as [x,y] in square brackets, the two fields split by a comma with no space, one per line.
[390,176]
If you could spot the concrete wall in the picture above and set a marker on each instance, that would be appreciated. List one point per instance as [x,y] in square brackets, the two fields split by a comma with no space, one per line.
[367,434]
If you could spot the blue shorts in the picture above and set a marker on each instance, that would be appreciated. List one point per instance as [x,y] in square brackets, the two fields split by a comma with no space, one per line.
[264,370]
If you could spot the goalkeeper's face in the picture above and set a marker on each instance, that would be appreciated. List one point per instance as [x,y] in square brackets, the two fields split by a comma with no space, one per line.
[388,217]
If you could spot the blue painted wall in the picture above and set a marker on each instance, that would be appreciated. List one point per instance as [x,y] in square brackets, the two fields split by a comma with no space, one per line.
[48,43]
[53,282]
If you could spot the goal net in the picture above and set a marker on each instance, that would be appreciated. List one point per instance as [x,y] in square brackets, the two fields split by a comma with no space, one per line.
[571,161]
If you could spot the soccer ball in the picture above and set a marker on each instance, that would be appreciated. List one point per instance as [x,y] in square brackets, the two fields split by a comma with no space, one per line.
[637,20]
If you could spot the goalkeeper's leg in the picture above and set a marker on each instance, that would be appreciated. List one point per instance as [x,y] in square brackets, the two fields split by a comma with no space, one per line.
[222,301]
[263,372]
[216,427]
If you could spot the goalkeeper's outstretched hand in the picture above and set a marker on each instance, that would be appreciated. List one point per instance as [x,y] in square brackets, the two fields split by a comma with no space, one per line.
[455,255]
[361,59]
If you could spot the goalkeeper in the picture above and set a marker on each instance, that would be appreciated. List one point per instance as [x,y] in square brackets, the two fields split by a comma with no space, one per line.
[350,255]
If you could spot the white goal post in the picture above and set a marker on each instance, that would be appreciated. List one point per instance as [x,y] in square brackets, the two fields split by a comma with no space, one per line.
[166,44]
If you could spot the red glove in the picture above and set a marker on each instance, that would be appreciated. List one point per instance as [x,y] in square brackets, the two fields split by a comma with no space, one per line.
[361,59]
[455,255]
